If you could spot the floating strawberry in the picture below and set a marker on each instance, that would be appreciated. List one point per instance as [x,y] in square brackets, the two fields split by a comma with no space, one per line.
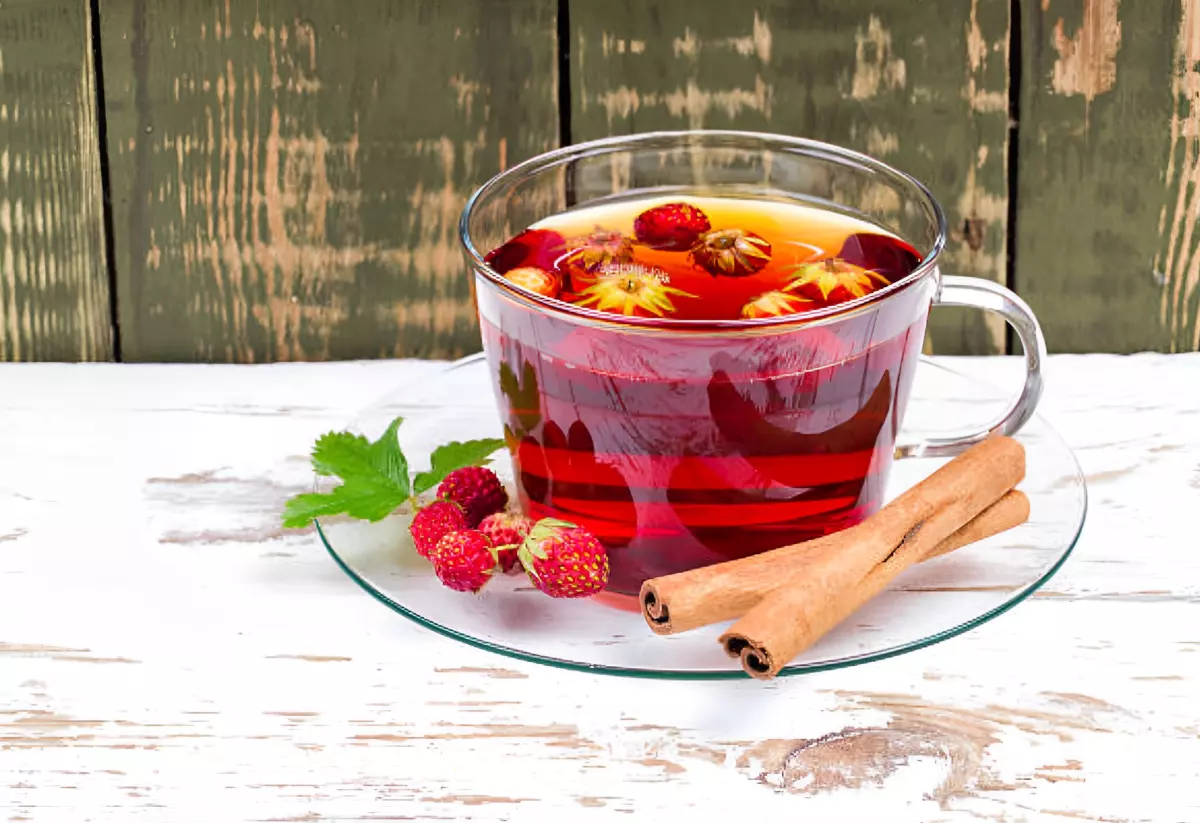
[834,281]
[434,522]
[590,254]
[731,253]
[538,281]
[532,247]
[464,560]
[633,292]
[477,489]
[671,227]
[775,304]
[507,531]
[564,560]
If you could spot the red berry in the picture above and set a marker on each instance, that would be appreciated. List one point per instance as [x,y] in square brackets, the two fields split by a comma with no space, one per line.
[463,560]
[435,521]
[673,227]
[564,560]
[507,532]
[477,489]
[532,247]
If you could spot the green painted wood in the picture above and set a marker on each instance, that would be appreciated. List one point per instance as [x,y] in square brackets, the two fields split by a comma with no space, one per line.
[288,174]
[923,86]
[1106,253]
[54,298]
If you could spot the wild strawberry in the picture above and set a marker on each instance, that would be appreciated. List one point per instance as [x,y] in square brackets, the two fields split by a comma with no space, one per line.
[435,521]
[589,255]
[463,560]
[564,560]
[507,532]
[634,292]
[532,247]
[477,489]
[672,227]
[538,281]
[775,304]
[731,253]
[834,281]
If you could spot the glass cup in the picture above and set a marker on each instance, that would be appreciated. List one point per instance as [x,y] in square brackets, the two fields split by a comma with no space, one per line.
[681,443]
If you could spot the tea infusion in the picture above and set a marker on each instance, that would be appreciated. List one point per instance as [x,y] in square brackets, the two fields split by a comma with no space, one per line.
[743,456]
[703,258]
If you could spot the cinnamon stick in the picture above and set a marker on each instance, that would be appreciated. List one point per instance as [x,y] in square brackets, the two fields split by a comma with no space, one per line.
[1008,512]
[726,591]
[793,617]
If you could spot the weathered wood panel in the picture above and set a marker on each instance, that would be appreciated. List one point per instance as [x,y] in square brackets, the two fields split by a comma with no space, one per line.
[1108,165]
[923,86]
[54,298]
[288,174]
[1177,262]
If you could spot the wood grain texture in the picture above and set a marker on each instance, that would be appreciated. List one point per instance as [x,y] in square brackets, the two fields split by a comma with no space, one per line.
[288,174]
[54,298]
[189,662]
[1177,263]
[1105,244]
[921,86]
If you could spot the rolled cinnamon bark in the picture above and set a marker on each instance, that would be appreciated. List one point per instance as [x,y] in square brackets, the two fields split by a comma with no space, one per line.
[726,591]
[793,617]
[1008,512]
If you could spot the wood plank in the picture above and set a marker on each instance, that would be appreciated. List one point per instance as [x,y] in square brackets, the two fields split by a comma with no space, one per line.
[54,296]
[921,86]
[288,176]
[1105,248]
[1177,263]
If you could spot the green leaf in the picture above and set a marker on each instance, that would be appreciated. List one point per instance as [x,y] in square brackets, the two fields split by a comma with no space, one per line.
[374,478]
[303,508]
[453,456]
[387,458]
[361,499]
[336,453]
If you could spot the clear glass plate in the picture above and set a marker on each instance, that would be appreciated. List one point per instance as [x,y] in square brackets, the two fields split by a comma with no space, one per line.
[929,603]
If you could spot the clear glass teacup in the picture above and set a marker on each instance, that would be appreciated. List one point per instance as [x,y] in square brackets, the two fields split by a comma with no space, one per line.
[685,442]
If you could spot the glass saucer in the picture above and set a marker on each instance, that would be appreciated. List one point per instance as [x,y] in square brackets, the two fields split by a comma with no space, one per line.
[929,603]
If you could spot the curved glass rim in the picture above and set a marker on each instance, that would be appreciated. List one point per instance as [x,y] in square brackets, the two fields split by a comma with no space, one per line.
[608,145]
[725,674]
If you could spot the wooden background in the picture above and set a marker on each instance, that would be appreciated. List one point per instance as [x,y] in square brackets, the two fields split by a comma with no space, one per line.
[257,180]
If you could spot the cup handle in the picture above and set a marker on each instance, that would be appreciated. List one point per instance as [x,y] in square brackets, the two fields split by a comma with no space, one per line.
[975,292]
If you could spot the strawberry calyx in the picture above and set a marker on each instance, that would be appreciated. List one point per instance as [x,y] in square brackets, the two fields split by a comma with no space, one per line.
[631,292]
[774,304]
[731,252]
[588,255]
[545,528]
[834,280]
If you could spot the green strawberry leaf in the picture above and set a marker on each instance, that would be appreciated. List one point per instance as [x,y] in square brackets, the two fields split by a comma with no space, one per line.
[454,456]
[374,478]
[336,453]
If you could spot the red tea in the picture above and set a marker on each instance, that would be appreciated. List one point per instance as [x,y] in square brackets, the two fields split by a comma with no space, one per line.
[684,448]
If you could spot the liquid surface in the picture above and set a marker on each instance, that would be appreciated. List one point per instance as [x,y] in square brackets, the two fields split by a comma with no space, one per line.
[694,258]
[681,450]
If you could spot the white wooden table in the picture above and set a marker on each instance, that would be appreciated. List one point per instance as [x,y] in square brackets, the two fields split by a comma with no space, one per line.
[168,653]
